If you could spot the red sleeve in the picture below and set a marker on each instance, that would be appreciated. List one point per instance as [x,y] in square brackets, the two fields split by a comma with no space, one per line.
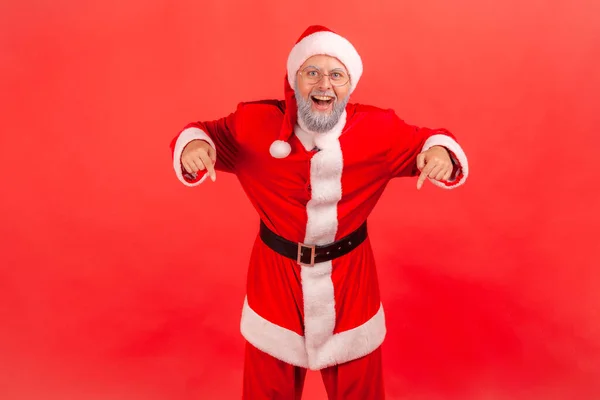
[409,140]
[220,134]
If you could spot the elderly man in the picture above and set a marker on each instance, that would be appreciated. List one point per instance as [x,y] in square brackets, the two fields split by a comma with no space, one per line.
[314,166]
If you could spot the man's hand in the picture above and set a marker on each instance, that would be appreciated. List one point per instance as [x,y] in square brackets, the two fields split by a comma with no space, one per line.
[434,163]
[198,155]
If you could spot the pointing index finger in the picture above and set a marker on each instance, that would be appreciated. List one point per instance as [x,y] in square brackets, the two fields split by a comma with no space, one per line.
[421,180]
[209,165]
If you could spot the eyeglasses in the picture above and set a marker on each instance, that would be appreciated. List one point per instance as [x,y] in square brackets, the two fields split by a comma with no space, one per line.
[313,75]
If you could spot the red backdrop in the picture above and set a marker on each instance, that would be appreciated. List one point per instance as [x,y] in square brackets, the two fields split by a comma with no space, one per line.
[116,281]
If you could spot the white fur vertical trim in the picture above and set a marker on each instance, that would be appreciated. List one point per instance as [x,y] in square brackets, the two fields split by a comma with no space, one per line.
[451,144]
[328,43]
[321,228]
[281,343]
[184,138]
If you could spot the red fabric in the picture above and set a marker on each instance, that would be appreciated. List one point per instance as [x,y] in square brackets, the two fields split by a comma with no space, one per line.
[356,290]
[291,112]
[360,379]
[313,29]
[266,377]
[376,147]
[243,139]
[274,288]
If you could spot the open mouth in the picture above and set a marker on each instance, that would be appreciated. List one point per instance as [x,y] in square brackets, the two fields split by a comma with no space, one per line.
[322,102]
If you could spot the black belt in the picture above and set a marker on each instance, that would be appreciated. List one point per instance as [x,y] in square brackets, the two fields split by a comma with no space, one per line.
[309,255]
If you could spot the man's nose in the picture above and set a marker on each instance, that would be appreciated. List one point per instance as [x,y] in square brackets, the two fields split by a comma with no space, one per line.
[325,83]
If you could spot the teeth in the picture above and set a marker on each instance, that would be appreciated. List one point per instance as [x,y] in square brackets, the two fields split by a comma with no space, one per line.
[324,98]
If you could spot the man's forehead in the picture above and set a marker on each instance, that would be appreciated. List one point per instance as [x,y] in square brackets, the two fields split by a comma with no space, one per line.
[324,60]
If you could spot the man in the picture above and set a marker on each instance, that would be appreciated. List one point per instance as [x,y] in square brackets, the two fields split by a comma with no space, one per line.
[314,166]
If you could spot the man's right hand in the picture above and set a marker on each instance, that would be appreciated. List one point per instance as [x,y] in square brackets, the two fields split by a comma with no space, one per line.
[198,155]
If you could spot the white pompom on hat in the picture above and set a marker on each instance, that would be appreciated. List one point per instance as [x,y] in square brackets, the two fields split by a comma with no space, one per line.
[315,40]
[280,149]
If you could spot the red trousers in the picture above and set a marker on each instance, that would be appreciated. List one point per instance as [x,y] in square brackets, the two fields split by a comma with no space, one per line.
[266,377]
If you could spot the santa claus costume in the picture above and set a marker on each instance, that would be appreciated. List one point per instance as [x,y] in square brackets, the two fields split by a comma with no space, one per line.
[312,298]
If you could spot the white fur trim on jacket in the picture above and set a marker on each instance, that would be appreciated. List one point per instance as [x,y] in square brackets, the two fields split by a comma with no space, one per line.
[328,43]
[320,347]
[272,339]
[291,348]
[326,168]
[184,138]
[449,143]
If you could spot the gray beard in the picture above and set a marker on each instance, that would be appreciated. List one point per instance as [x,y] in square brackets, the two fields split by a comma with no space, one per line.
[316,121]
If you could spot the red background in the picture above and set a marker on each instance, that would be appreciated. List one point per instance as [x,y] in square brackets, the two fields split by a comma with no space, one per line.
[118,282]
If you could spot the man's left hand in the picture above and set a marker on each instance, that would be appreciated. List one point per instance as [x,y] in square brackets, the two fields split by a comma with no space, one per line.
[435,164]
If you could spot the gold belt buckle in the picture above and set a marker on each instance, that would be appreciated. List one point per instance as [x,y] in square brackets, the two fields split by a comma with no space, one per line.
[312,254]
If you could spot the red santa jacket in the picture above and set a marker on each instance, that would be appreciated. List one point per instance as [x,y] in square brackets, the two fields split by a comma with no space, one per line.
[329,313]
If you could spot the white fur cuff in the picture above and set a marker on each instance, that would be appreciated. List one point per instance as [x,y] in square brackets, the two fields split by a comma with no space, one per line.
[449,143]
[184,138]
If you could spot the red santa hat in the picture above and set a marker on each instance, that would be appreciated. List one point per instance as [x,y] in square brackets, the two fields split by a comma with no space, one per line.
[314,41]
